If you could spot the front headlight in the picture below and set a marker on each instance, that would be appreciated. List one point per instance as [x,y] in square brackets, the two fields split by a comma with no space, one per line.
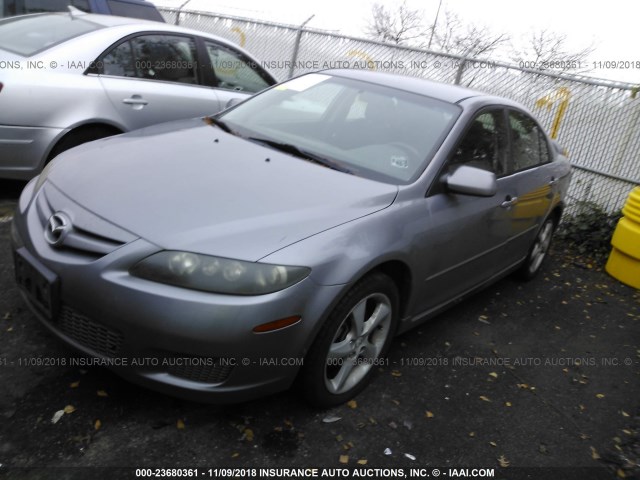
[216,274]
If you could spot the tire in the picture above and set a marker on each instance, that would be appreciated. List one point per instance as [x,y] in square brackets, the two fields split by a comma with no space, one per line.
[351,344]
[80,136]
[538,252]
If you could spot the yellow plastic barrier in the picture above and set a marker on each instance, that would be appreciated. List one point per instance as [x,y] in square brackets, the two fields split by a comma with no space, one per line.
[624,260]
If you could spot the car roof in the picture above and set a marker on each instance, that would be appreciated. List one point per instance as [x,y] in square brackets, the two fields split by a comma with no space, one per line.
[421,86]
[111,21]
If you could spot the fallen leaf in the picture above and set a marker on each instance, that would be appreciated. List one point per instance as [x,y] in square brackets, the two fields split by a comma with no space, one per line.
[75,384]
[235,455]
[7,316]
[484,399]
[344,459]
[331,419]
[407,424]
[10,329]
[248,435]
[409,456]
[338,438]
[472,434]
[524,386]
[396,402]
[493,374]
[594,454]
[428,414]
[620,473]
[352,404]
[393,425]
[57,416]
[624,414]
[102,393]
[507,404]
[502,460]
[396,373]
[362,461]
[599,395]
[97,425]
[180,424]
[493,444]
[69,409]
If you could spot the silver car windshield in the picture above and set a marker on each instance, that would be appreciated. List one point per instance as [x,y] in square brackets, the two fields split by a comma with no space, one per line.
[32,34]
[365,129]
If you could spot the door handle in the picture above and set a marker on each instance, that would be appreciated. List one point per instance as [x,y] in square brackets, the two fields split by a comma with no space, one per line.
[509,201]
[135,100]
[553,181]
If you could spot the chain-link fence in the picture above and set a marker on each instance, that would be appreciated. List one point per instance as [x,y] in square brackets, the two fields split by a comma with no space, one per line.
[597,122]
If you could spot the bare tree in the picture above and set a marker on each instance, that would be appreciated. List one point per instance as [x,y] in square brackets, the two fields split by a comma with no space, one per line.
[454,36]
[401,26]
[546,50]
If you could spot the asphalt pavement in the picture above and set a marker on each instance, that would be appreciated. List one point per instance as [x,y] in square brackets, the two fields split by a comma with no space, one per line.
[530,380]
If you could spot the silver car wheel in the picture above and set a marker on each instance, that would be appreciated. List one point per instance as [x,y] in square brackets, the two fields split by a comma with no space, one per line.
[541,246]
[358,343]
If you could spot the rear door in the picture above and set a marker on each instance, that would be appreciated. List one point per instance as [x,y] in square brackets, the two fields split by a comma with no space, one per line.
[533,176]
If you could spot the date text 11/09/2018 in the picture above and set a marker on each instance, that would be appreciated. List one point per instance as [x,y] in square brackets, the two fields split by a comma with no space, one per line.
[363,472]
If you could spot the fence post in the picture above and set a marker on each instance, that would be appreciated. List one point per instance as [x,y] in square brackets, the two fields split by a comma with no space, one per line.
[296,46]
[180,12]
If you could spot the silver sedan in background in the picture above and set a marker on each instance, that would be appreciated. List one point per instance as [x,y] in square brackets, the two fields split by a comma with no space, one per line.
[288,238]
[69,78]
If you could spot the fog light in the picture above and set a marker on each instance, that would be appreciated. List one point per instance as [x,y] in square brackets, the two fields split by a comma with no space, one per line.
[277,324]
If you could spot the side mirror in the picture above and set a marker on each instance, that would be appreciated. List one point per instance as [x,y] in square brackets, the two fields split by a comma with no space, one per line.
[472,181]
[232,102]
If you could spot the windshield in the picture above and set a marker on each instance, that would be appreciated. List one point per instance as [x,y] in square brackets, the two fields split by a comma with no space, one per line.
[31,34]
[366,129]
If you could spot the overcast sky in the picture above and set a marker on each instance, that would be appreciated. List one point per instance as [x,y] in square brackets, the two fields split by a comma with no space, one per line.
[610,26]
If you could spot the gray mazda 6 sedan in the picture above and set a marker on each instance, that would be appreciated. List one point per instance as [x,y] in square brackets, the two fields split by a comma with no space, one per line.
[287,239]
[69,78]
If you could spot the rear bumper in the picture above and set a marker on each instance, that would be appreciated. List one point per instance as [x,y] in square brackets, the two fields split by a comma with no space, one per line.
[23,150]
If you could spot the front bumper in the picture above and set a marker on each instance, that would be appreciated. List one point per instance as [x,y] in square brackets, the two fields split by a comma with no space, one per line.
[185,343]
[23,150]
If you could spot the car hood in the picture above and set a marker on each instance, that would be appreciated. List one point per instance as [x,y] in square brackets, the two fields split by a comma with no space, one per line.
[190,186]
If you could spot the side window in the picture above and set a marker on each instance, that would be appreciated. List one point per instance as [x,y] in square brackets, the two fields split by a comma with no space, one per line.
[484,144]
[126,9]
[528,143]
[233,72]
[119,61]
[169,58]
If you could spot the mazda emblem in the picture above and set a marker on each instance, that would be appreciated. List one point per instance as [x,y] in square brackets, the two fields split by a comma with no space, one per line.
[57,228]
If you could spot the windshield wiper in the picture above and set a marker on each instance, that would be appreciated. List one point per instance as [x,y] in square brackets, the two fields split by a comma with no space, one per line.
[302,153]
[210,120]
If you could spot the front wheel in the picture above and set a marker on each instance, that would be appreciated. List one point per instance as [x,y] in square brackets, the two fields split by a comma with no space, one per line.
[539,250]
[352,343]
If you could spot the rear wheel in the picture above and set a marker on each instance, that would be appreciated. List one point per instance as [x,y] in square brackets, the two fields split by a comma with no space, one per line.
[352,343]
[539,250]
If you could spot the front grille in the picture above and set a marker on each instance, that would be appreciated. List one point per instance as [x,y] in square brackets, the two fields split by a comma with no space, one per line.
[88,333]
[199,369]
[89,237]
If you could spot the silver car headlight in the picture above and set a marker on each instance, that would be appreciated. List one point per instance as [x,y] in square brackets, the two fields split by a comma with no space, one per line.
[216,274]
